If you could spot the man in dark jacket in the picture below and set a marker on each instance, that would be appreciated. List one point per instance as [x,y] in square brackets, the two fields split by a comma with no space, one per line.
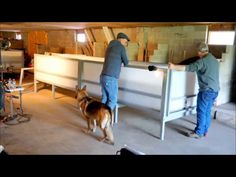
[114,58]
[207,69]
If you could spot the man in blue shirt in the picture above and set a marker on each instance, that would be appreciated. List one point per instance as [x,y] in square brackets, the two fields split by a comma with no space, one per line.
[207,69]
[114,58]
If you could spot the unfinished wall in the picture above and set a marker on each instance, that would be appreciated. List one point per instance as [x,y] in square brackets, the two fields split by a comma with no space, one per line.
[10,35]
[158,44]
[37,40]
[25,39]
[62,40]
[99,35]
[155,44]
[99,49]
[181,41]
[226,75]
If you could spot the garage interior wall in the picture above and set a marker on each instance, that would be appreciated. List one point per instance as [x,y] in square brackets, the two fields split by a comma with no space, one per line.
[146,42]
[61,41]
[145,45]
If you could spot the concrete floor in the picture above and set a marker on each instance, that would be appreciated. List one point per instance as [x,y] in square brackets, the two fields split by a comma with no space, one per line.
[56,127]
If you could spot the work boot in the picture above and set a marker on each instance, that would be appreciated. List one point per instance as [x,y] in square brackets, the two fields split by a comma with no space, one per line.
[194,135]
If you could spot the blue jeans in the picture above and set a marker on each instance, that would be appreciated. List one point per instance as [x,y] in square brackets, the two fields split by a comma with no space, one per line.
[109,86]
[205,100]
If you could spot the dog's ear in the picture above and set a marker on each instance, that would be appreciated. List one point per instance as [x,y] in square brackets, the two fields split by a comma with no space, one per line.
[84,87]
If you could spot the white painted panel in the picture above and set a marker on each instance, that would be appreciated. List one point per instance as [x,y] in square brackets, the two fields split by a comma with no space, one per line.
[56,65]
[182,84]
[179,104]
[130,78]
[133,79]
[56,80]
[138,86]
[140,100]
[127,97]
[92,71]
[141,80]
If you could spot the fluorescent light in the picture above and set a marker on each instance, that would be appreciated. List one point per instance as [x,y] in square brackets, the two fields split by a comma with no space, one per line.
[221,37]
[81,37]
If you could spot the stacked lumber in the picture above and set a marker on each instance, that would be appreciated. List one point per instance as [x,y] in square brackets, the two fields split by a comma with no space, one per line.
[160,55]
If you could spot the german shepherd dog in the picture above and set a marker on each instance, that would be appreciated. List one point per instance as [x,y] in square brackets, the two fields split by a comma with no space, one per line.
[96,112]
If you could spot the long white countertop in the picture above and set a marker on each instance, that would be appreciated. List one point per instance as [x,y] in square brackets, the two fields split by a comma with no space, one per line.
[133,64]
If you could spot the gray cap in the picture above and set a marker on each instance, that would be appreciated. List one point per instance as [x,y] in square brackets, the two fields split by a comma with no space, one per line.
[123,35]
[203,47]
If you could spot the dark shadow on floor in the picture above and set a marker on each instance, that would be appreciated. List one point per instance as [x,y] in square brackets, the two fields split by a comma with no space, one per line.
[179,128]
[146,132]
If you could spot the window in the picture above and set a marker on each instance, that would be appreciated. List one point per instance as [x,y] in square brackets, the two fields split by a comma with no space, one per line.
[221,37]
[81,37]
[18,36]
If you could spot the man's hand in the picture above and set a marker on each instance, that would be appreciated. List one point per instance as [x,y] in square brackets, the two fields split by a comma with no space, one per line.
[176,67]
[171,65]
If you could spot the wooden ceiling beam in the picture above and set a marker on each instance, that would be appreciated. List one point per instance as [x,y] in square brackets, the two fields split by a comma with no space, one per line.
[108,33]
[29,26]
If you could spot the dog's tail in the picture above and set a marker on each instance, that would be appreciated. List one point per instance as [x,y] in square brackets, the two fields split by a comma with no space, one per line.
[109,134]
[107,127]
